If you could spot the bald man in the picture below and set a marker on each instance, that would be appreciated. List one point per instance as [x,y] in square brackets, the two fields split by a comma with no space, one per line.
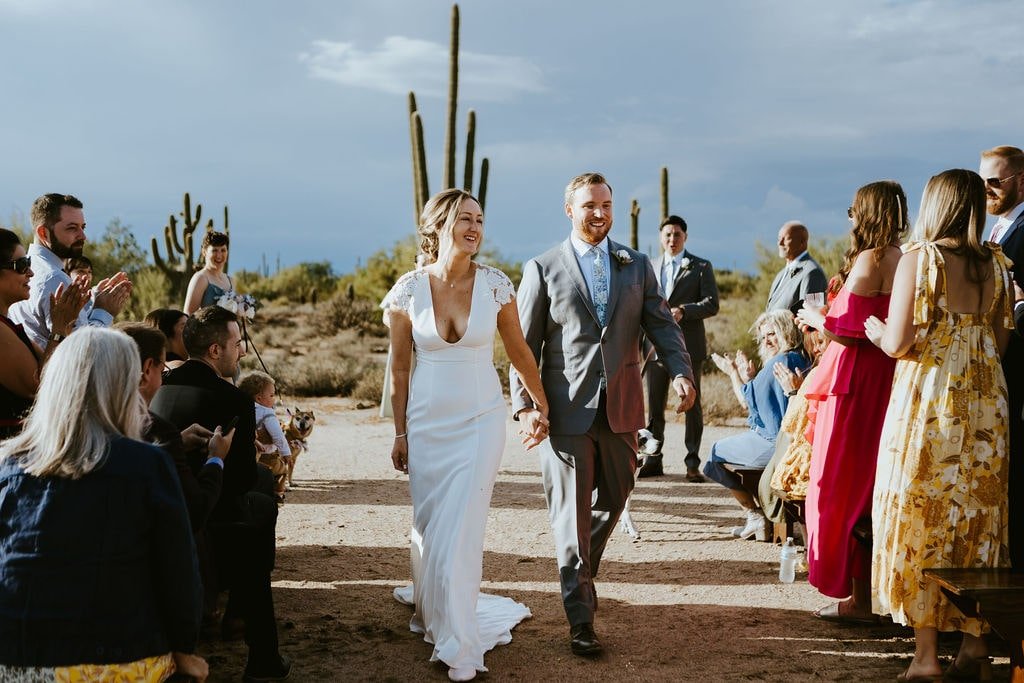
[801,275]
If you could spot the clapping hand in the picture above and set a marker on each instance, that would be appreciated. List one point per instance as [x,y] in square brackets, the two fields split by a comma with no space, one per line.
[809,316]
[65,305]
[789,380]
[745,367]
[112,293]
[724,363]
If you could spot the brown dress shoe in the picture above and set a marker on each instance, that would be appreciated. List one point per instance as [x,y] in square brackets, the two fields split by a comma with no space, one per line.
[694,476]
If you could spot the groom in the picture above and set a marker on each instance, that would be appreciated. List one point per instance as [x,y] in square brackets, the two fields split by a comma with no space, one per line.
[583,306]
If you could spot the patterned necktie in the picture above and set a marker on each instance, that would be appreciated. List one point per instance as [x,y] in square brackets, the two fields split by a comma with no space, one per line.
[600,284]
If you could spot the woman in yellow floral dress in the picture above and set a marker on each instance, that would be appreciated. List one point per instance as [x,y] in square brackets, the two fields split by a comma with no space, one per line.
[940,487]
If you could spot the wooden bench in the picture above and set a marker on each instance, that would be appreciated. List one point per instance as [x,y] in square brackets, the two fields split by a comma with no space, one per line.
[996,595]
[795,524]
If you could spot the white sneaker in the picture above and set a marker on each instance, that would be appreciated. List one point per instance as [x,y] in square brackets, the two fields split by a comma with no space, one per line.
[756,526]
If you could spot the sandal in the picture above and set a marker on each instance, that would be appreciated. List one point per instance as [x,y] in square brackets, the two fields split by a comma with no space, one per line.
[974,669]
[834,613]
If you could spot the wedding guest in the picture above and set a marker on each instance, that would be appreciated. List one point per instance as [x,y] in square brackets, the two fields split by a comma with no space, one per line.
[98,576]
[451,448]
[59,230]
[171,322]
[271,444]
[940,497]
[800,276]
[23,360]
[210,283]
[79,268]
[765,401]
[851,393]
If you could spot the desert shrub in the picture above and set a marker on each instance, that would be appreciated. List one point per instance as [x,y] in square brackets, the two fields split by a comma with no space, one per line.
[718,400]
[294,283]
[359,314]
[150,289]
[319,375]
[370,385]
[734,283]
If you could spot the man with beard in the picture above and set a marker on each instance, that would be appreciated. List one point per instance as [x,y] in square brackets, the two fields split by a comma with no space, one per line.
[583,306]
[1002,169]
[59,228]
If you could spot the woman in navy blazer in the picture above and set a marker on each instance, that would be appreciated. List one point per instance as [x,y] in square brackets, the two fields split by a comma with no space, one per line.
[98,573]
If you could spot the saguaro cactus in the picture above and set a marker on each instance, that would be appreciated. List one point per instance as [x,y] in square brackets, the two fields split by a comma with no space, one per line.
[421,186]
[180,263]
[664,192]
[634,225]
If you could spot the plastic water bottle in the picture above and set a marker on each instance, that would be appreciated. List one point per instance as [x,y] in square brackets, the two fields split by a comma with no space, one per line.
[787,562]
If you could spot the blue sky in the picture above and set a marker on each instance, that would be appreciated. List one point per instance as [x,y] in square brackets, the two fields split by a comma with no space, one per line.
[294,114]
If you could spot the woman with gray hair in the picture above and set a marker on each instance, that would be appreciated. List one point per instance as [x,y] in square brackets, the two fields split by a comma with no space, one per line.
[779,343]
[98,574]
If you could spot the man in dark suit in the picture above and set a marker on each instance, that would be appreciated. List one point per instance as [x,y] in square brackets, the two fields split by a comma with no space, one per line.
[241,526]
[800,276]
[1003,171]
[583,306]
[688,285]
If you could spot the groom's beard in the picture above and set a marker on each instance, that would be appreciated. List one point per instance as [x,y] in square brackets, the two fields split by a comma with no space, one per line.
[595,234]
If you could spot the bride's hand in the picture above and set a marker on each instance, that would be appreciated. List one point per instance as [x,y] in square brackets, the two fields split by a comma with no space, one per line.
[400,454]
[535,427]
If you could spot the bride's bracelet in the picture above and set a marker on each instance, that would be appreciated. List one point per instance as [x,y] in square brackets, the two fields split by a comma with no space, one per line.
[399,436]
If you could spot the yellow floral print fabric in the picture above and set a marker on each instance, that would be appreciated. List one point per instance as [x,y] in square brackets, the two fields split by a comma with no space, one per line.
[940,488]
[150,670]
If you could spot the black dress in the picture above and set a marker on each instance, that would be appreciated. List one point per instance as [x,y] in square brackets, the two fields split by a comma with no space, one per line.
[12,406]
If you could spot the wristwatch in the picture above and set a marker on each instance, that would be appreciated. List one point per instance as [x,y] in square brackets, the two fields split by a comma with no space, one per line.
[56,337]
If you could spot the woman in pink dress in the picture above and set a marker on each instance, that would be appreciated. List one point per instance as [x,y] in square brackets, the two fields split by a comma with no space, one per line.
[852,392]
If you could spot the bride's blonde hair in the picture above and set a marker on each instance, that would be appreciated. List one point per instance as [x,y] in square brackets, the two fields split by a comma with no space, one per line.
[438,216]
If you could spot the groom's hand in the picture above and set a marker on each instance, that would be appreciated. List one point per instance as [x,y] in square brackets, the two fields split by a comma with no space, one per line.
[687,393]
[535,427]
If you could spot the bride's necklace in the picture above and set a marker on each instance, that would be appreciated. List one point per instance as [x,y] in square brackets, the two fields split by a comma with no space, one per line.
[454,281]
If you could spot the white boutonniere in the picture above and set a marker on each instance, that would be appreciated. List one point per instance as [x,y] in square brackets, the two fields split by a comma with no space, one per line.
[684,263]
[623,257]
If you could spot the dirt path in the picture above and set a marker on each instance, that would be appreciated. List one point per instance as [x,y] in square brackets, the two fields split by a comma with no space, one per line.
[688,602]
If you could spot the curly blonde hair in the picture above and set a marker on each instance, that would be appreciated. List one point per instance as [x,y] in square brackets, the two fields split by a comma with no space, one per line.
[438,216]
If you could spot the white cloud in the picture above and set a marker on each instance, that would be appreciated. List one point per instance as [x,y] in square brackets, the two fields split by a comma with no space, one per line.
[402,64]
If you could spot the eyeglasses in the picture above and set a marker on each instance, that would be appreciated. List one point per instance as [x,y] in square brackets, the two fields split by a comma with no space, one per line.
[18,265]
[996,183]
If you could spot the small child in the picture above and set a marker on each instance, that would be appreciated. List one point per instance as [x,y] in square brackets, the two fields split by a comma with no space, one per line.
[79,268]
[271,446]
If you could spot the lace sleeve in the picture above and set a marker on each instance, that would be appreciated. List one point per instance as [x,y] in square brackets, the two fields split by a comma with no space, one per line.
[400,296]
[501,287]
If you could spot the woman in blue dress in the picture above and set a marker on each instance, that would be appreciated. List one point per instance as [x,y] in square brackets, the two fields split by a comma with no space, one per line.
[211,283]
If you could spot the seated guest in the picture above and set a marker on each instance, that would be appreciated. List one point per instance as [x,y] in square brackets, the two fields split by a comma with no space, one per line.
[23,360]
[98,576]
[763,397]
[171,322]
[270,441]
[241,526]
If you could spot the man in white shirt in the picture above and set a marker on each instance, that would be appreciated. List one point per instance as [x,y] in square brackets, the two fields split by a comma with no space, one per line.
[801,275]
[1002,169]
[59,228]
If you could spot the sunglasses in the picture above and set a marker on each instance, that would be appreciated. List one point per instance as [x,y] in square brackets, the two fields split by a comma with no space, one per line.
[18,265]
[996,183]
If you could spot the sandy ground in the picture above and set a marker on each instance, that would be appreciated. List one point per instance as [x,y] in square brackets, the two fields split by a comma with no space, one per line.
[686,603]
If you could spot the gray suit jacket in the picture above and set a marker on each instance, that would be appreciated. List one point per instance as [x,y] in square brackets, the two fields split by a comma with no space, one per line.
[696,292]
[791,286]
[573,351]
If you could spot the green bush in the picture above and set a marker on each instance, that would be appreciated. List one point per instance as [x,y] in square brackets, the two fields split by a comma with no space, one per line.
[359,314]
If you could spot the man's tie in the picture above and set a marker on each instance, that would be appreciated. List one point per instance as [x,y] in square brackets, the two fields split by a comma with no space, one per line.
[997,231]
[600,284]
[670,278]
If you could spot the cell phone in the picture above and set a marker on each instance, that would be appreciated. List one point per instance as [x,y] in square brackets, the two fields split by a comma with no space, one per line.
[231,425]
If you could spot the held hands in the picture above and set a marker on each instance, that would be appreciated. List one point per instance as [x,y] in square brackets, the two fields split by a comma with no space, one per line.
[875,329]
[112,293]
[677,313]
[687,393]
[535,426]
[65,305]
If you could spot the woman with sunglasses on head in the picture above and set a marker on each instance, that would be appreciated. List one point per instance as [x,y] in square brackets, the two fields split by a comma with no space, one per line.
[23,360]
[851,392]
[211,283]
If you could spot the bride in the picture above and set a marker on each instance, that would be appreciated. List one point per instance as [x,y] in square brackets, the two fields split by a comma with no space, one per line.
[450,427]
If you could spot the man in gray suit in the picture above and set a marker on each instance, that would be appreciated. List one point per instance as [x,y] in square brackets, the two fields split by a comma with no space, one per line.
[688,284]
[583,305]
[800,276]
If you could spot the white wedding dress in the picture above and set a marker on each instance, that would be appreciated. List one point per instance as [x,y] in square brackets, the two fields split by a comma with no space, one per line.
[456,424]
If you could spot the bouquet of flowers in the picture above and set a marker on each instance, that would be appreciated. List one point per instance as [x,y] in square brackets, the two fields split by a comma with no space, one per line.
[242,305]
